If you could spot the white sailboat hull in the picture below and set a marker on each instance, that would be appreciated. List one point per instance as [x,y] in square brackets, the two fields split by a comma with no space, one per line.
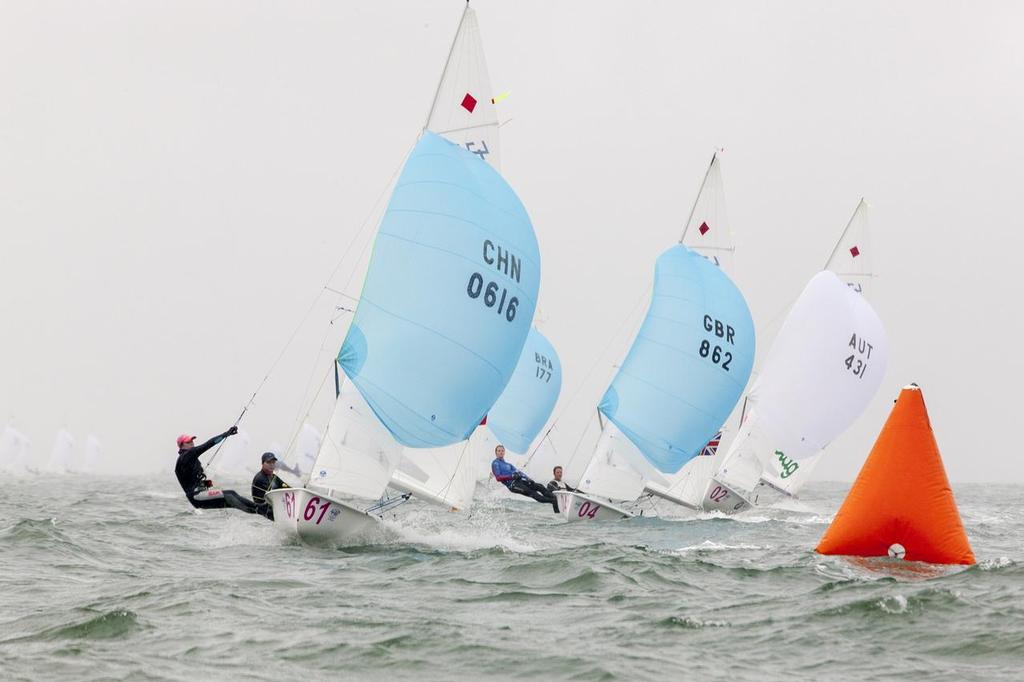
[575,506]
[317,519]
[721,498]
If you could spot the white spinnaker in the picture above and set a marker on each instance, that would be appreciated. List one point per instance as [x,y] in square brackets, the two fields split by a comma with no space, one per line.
[62,455]
[93,456]
[707,229]
[15,451]
[443,476]
[463,110]
[612,472]
[357,456]
[852,259]
[824,367]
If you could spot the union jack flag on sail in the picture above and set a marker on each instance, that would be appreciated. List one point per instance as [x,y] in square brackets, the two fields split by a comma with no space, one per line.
[712,447]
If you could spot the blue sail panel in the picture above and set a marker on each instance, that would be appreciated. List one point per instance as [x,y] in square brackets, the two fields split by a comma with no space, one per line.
[687,366]
[448,299]
[526,403]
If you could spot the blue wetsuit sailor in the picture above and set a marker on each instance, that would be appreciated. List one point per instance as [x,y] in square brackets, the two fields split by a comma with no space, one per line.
[517,481]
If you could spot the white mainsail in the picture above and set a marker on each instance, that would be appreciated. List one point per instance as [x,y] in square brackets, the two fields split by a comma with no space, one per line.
[707,230]
[15,451]
[852,259]
[464,110]
[61,457]
[357,455]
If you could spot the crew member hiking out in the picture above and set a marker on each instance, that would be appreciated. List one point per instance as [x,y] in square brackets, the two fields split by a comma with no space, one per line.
[263,482]
[198,489]
[518,482]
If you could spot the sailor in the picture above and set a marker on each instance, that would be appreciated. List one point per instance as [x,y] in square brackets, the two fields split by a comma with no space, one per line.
[263,482]
[198,489]
[557,483]
[517,481]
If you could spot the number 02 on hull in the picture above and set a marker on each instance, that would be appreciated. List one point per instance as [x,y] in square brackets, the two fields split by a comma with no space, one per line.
[317,519]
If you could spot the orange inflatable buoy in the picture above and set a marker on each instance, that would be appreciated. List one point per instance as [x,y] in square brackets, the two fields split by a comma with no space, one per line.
[901,504]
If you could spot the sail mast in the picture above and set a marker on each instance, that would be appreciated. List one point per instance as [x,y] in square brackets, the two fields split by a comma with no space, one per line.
[846,229]
[693,208]
[451,50]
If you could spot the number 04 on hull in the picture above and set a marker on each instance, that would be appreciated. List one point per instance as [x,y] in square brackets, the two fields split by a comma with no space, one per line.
[317,519]
[575,506]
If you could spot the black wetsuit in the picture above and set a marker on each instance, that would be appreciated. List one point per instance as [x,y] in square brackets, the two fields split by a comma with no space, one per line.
[554,485]
[263,483]
[193,481]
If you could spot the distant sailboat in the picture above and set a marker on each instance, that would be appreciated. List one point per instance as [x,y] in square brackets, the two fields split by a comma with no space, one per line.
[62,455]
[15,451]
[431,347]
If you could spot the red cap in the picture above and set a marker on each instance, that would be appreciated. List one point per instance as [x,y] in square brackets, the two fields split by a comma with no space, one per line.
[185,438]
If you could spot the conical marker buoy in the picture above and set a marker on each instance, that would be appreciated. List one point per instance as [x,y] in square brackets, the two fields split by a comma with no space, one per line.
[901,504]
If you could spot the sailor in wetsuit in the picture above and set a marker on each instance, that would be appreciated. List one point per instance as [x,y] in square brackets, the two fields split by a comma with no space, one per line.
[557,483]
[518,482]
[263,482]
[198,489]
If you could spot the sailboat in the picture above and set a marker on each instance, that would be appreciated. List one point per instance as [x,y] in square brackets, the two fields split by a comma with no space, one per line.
[92,457]
[680,380]
[445,310]
[15,451]
[708,231]
[823,369]
[62,454]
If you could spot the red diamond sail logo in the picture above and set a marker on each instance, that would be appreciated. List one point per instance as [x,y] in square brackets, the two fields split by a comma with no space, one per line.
[469,103]
[854,251]
[703,229]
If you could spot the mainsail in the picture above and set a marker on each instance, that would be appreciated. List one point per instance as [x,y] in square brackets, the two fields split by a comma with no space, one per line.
[822,371]
[15,451]
[61,457]
[464,110]
[707,228]
[852,259]
[688,365]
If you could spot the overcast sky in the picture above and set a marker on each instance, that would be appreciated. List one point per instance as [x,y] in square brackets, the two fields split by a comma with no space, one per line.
[179,179]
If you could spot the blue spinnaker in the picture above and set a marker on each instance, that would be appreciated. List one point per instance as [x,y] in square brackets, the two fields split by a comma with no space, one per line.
[448,299]
[526,403]
[688,364]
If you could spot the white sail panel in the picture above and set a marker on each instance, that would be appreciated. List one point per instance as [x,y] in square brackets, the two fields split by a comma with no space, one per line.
[62,454]
[15,451]
[235,461]
[612,471]
[93,457]
[689,483]
[853,257]
[822,371]
[443,476]
[358,455]
[707,229]
[464,110]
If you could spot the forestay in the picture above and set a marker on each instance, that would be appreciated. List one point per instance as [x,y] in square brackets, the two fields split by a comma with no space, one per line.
[687,366]
[707,229]
[527,401]
[448,300]
[822,371]
[464,110]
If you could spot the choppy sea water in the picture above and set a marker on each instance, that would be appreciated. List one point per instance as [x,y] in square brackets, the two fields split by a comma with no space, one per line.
[119,579]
